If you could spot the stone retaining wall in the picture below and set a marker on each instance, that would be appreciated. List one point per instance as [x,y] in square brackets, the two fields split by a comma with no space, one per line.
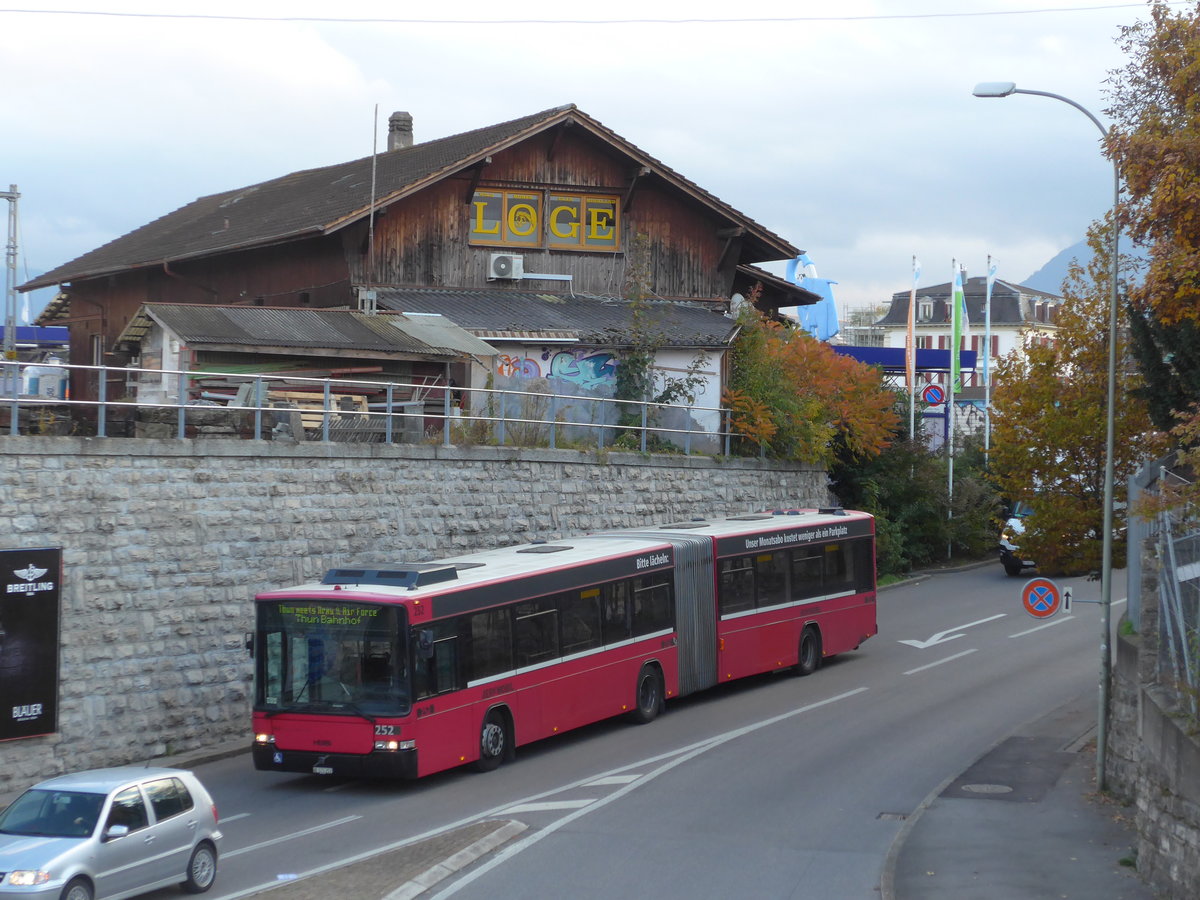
[1153,757]
[165,543]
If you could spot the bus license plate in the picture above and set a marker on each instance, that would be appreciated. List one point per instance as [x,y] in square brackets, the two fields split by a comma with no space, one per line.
[322,770]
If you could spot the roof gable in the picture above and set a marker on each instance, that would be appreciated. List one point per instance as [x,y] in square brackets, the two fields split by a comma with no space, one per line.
[322,200]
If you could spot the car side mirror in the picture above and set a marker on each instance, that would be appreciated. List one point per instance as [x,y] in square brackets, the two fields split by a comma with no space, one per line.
[115,831]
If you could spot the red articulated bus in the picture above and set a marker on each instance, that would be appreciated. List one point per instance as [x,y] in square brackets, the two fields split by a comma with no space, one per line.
[419,668]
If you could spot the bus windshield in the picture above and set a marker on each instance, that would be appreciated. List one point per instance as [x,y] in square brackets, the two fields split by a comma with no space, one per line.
[319,655]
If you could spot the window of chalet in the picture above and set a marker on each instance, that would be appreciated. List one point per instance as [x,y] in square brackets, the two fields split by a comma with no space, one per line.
[550,219]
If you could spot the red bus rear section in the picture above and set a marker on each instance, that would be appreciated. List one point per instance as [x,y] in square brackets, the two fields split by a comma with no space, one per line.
[415,669]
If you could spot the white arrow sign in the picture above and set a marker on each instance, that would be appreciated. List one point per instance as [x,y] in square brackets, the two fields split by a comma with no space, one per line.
[942,636]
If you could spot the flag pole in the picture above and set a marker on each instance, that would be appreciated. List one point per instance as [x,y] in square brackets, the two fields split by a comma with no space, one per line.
[910,354]
[987,352]
[955,327]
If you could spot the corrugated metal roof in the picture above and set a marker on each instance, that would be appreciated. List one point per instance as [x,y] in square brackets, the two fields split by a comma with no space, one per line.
[438,331]
[311,329]
[600,321]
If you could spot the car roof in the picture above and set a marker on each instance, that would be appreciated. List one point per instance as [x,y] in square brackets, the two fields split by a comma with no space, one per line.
[104,780]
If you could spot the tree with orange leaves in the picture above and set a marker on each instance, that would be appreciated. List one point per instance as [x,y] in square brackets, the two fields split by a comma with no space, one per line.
[794,397]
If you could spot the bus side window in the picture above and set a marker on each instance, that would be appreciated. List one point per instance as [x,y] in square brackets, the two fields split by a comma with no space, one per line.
[652,607]
[536,631]
[439,672]
[579,616]
[736,585]
[491,648]
[838,576]
[770,577]
[807,573]
[863,561]
[616,612]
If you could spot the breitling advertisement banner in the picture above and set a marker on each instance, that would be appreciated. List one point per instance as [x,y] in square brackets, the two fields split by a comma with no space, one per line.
[30,597]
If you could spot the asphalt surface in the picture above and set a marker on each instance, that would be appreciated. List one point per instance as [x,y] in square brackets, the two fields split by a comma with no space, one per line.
[1024,822]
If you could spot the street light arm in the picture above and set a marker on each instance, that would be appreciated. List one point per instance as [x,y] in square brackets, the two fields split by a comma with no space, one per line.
[1068,101]
[1005,89]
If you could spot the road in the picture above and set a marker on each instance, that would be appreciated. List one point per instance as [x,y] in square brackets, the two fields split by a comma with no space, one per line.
[773,787]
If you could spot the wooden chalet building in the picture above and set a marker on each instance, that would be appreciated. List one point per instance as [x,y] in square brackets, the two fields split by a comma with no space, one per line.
[522,233]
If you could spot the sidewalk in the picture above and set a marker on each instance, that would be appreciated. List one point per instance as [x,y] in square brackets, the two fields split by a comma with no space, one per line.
[1023,823]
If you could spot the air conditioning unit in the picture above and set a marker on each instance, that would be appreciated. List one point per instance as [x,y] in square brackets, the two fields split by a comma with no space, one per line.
[505,266]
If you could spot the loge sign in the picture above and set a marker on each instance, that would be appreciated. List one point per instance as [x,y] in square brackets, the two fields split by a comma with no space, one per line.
[549,219]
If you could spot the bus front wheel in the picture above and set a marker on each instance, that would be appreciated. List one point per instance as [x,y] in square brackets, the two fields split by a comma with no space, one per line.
[649,695]
[493,741]
[810,652]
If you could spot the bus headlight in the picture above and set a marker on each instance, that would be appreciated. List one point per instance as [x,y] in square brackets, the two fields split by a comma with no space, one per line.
[263,739]
[394,745]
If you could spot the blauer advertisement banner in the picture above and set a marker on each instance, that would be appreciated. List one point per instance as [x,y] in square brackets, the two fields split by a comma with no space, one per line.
[30,601]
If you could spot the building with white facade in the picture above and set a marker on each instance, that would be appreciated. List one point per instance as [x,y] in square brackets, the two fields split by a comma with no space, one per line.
[1020,317]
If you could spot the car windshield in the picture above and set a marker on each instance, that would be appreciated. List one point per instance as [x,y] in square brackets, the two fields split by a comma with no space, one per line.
[52,813]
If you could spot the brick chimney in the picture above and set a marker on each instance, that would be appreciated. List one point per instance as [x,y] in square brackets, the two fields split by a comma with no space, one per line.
[400,131]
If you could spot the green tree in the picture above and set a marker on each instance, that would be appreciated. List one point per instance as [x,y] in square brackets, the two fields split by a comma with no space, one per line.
[1155,104]
[1048,426]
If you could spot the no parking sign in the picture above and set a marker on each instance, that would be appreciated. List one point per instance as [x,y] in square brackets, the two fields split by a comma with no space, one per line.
[933,394]
[1041,598]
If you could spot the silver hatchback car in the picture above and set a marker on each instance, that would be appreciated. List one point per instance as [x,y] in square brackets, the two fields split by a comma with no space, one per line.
[109,833]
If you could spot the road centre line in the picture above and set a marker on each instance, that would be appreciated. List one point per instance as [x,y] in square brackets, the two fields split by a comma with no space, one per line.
[680,757]
[940,661]
[289,837]
[234,817]
[1040,627]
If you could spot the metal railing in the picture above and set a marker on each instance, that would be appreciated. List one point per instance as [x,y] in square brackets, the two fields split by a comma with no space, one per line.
[1179,596]
[278,406]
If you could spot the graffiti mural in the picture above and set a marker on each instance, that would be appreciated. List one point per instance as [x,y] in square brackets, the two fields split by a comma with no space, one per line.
[586,368]
[517,366]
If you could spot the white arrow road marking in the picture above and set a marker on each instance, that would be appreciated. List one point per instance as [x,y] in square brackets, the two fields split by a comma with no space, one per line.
[943,636]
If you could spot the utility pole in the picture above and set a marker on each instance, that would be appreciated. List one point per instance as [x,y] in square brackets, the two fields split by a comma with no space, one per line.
[10,295]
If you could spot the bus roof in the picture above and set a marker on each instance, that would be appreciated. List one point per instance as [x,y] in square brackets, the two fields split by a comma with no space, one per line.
[772,529]
[397,582]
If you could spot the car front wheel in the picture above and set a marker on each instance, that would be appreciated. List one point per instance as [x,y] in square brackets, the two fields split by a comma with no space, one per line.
[77,889]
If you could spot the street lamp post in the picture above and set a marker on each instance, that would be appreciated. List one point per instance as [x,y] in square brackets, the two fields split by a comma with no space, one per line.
[1004,89]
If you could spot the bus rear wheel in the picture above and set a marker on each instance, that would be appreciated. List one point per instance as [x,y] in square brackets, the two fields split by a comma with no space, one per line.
[649,695]
[809,659]
[493,741]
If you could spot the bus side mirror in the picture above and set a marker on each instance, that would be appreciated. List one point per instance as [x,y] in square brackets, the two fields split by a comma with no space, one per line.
[250,643]
[425,644]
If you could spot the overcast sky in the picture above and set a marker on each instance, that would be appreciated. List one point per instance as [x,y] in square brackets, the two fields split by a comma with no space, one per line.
[847,128]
